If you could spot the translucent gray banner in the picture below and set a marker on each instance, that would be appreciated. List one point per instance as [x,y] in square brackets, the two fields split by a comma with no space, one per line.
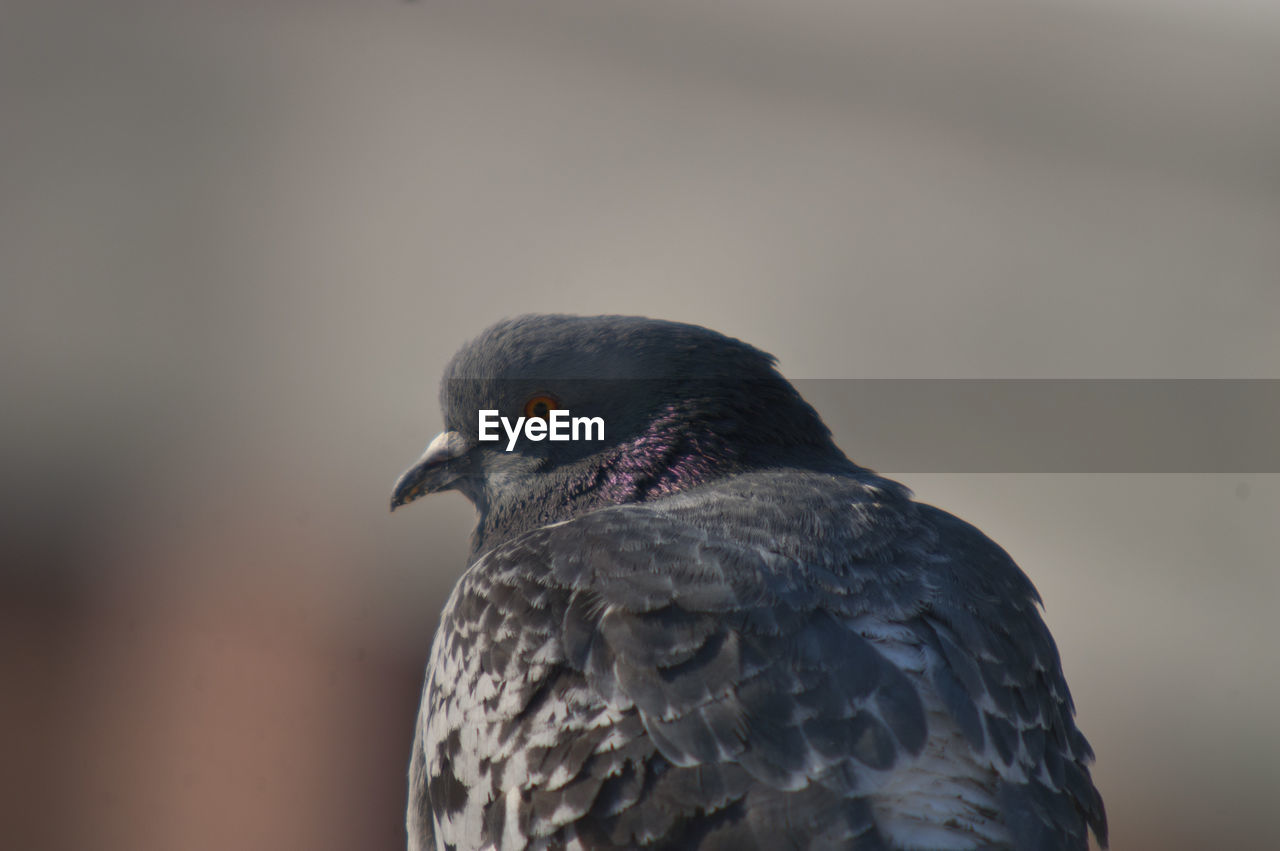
[1053,425]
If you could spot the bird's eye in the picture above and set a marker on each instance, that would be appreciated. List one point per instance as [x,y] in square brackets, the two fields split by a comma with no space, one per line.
[540,406]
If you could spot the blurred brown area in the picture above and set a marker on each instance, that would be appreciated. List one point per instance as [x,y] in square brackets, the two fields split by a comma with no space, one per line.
[238,242]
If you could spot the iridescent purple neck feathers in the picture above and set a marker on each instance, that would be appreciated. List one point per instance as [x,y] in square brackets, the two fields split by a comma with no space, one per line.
[665,459]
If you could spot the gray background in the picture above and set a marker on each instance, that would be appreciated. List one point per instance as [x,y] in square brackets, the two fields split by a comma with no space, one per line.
[239,240]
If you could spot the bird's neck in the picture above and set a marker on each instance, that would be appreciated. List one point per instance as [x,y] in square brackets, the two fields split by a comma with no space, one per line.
[670,456]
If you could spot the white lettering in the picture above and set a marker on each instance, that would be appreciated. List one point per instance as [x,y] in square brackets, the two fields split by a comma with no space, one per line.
[559,425]
[512,433]
[488,420]
[587,423]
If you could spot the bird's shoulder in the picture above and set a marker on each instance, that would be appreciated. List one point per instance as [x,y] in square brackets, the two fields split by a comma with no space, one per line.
[851,544]
[781,630]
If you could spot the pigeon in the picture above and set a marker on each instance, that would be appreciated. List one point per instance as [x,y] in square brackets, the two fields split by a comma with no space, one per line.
[699,625]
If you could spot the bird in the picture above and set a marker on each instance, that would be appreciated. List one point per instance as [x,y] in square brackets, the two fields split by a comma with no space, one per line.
[703,626]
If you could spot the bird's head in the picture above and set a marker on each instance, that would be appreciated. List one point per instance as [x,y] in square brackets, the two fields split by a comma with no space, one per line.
[678,405]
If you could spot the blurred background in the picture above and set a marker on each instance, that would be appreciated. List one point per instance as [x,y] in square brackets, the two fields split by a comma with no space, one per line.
[238,241]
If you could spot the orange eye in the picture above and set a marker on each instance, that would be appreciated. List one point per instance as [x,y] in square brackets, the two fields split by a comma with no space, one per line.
[540,406]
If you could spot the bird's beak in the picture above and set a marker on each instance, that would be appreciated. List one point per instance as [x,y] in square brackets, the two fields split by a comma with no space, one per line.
[444,462]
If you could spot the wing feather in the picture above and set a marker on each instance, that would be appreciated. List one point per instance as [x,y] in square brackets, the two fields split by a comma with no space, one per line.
[638,677]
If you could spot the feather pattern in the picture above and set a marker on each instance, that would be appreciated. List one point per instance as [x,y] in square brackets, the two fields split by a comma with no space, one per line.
[714,631]
[642,675]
